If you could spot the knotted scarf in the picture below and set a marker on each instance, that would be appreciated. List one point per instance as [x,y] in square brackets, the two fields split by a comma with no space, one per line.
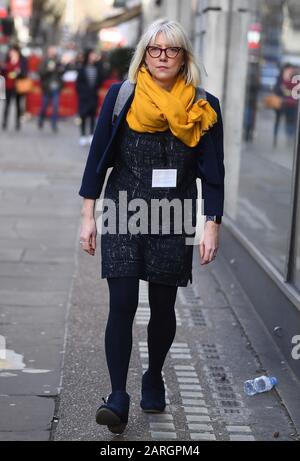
[155,109]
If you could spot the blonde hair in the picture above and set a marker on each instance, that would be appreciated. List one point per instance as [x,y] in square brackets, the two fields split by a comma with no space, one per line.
[177,36]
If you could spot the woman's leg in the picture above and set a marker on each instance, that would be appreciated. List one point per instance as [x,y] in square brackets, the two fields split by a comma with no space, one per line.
[18,110]
[162,325]
[55,109]
[92,123]
[6,108]
[276,126]
[124,295]
[82,126]
[43,110]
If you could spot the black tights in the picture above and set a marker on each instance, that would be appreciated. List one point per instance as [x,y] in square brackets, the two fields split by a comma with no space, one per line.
[124,293]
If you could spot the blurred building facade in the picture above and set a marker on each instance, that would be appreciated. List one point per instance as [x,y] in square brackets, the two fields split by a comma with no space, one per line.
[114,23]
[263,203]
[78,13]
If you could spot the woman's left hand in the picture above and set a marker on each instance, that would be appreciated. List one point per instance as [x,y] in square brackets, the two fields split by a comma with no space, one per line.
[210,242]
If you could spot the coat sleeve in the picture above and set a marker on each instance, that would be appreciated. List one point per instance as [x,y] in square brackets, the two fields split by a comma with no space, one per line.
[91,184]
[213,193]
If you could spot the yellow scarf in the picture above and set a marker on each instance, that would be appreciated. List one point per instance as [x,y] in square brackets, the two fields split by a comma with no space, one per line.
[156,109]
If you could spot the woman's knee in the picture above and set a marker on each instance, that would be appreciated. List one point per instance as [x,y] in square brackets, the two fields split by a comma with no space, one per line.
[162,297]
[124,293]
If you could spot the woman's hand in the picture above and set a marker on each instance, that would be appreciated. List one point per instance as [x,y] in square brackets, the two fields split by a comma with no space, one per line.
[88,232]
[210,242]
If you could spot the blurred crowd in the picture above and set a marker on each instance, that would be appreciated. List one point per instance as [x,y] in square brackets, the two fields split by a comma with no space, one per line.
[88,70]
[38,79]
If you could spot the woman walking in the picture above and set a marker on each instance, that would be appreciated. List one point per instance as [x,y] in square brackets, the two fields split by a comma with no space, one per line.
[15,67]
[163,138]
[88,82]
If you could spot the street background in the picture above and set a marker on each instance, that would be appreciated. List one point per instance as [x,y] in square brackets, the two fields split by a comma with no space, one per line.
[238,318]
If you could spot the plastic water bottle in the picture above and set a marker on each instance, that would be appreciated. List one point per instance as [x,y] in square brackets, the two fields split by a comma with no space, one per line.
[260,384]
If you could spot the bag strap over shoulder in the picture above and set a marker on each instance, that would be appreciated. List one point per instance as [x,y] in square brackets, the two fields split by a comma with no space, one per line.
[126,91]
[200,93]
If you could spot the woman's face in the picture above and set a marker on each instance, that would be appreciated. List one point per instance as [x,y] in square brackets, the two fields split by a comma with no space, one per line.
[164,69]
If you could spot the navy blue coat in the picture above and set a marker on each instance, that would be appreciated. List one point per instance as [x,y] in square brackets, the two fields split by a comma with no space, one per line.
[210,154]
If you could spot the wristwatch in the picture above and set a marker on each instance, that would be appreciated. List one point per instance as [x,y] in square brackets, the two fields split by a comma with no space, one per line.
[216,219]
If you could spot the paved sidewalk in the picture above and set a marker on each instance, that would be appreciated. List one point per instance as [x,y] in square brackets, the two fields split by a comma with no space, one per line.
[53,312]
[204,371]
[39,213]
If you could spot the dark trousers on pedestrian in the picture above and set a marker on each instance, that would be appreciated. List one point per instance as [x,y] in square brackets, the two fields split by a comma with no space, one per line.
[50,97]
[11,95]
[290,114]
[124,295]
[84,119]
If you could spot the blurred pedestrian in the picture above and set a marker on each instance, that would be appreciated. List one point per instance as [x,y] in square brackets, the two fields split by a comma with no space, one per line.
[289,105]
[14,68]
[166,133]
[252,91]
[88,83]
[51,73]
[79,60]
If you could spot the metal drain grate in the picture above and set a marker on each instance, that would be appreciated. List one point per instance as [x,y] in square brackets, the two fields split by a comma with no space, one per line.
[230,403]
[227,395]
[211,352]
[193,316]
[219,376]
[231,411]
[188,296]
[198,317]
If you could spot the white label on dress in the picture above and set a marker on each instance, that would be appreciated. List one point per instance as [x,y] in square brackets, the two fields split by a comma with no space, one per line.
[164,177]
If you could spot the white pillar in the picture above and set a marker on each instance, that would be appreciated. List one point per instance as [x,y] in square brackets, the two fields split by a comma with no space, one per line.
[185,15]
[172,9]
[234,103]
[220,42]
[178,10]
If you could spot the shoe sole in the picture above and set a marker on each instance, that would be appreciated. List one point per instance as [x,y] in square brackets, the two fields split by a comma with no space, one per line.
[107,417]
[153,410]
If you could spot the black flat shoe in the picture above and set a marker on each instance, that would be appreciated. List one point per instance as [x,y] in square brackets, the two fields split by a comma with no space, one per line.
[114,412]
[153,395]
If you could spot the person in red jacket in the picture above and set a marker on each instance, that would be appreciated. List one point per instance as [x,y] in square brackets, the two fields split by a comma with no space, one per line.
[13,68]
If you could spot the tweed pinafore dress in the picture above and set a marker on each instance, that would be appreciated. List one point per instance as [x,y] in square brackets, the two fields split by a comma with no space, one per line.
[158,256]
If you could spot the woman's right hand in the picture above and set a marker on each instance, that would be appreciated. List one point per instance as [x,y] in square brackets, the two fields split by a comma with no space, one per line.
[88,235]
[88,232]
